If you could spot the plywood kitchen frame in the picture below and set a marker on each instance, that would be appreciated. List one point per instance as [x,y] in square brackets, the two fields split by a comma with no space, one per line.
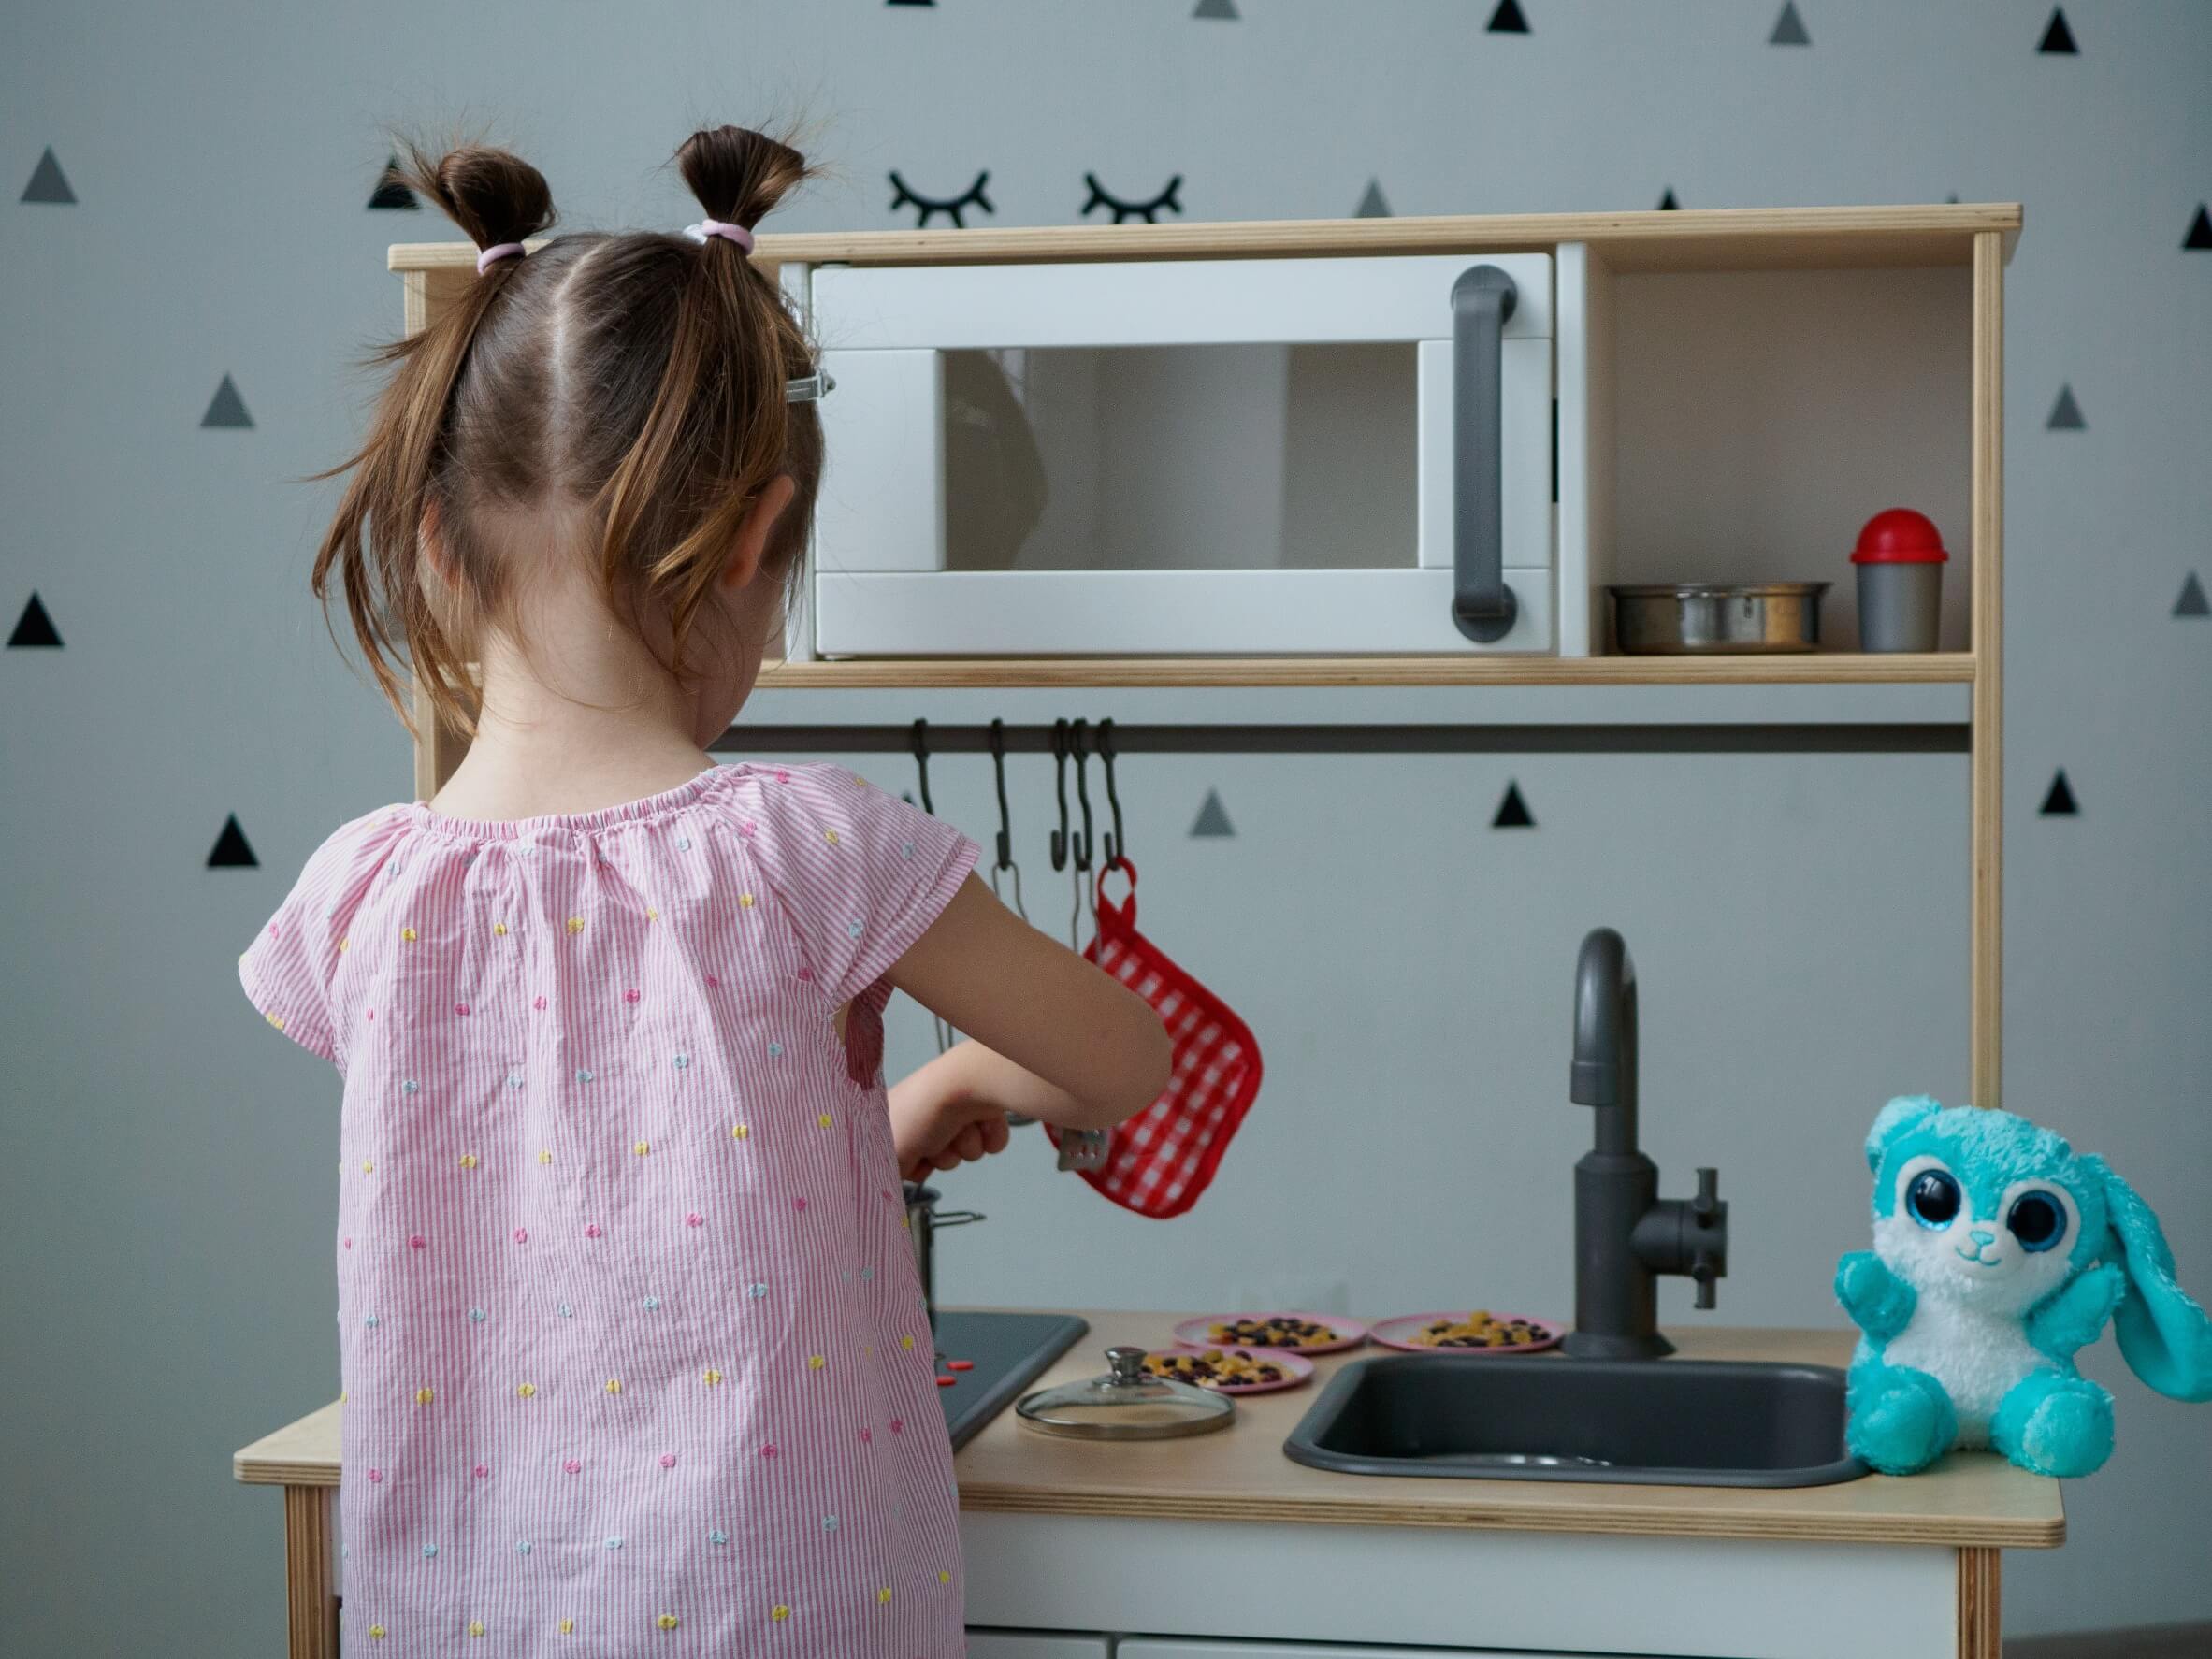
[1947,257]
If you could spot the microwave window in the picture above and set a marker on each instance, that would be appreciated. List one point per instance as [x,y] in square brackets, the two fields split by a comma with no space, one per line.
[1180,457]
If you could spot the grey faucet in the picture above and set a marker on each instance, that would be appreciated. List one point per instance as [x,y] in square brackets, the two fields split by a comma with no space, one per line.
[1625,1233]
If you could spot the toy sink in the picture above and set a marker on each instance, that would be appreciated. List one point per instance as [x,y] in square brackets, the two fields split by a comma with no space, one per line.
[1662,1422]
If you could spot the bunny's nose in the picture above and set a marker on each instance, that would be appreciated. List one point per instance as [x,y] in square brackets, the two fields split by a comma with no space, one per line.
[1982,1237]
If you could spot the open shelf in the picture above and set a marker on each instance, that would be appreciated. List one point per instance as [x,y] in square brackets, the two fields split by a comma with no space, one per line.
[1823,668]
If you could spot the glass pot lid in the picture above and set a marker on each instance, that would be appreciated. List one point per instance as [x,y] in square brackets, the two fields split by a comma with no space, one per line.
[1127,1402]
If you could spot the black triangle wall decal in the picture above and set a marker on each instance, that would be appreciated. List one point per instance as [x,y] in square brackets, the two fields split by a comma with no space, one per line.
[1213,818]
[1789,28]
[391,189]
[2066,413]
[47,183]
[1224,10]
[226,408]
[36,627]
[1507,19]
[2057,802]
[1667,203]
[2200,232]
[230,851]
[2056,37]
[2191,603]
[910,2]
[1512,812]
[1372,203]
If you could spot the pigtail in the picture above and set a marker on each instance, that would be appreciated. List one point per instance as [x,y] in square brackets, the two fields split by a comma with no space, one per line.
[718,431]
[404,613]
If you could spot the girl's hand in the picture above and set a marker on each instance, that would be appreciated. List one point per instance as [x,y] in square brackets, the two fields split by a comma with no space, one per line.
[935,1127]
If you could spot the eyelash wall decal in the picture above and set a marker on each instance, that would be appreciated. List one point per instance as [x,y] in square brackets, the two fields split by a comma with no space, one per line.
[927,208]
[1148,211]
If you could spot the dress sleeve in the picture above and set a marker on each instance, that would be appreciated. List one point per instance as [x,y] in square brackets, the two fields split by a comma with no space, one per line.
[288,969]
[860,873]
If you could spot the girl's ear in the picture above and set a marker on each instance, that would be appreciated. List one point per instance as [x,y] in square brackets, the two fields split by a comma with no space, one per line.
[2163,1335]
[1905,1113]
[753,534]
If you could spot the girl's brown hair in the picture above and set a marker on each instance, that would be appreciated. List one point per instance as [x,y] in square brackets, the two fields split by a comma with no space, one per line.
[632,383]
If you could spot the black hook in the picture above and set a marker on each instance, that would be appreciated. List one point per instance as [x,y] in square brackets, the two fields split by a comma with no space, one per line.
[921,764]
[998,767]
[1117,840]
[1060,836]
[1079,735]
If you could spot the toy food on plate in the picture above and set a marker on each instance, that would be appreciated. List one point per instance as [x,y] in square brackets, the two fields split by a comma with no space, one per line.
[1480,1329]
[1273,1331]
[1230,1370]
[1301,1332]
[1280,1329]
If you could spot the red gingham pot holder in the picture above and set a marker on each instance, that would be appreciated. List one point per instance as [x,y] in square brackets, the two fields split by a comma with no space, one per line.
[1160,1161]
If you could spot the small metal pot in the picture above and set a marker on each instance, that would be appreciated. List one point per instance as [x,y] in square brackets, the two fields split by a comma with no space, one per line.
[923,1218]
[1692,619]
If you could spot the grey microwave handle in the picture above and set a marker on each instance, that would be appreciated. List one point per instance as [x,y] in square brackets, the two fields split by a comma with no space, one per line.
[1482,606]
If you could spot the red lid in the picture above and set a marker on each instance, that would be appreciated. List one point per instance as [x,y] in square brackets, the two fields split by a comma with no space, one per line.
[1900,536]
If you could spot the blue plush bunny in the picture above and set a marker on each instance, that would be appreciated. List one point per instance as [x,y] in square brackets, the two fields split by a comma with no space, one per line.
[1999,1252]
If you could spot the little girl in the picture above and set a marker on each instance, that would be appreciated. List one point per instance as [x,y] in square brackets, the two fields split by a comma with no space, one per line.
[634,1352]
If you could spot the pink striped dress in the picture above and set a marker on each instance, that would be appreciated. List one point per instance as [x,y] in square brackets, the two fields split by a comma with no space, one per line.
[634,1353]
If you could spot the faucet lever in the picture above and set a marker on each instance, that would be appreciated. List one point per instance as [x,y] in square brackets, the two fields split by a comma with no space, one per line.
[1706,1205]
[1701,1272]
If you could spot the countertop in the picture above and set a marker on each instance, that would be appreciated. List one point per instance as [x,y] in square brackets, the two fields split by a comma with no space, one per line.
[1968,1500]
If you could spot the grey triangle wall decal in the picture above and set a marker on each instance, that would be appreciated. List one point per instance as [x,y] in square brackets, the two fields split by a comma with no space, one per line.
[1213,818]
[1512,812]
[2058,38]
[226,408]
[1221,10]
[1372,203]
[47,183]
[2191,603]
[34,628]
[230,851]
[1789,28]
[2066,413]
[2057,801]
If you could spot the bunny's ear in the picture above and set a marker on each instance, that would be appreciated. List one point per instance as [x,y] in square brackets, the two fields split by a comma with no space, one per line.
[2163,1335]
[1905,1113]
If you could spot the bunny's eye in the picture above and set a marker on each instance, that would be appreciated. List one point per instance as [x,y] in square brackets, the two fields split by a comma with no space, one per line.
[1933,1198]
[2037,1220]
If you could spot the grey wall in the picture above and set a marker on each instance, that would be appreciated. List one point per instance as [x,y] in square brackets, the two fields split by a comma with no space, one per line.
[164,1179]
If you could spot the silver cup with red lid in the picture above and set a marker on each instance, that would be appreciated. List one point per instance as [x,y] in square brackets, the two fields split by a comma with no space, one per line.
[1900,559]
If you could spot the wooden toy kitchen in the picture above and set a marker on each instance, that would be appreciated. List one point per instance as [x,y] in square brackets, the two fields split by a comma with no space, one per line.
[1280,487]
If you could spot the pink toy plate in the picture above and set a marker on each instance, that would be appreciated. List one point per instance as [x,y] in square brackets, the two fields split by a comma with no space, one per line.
[1297,1371]
[1403,1332]
[1198,1332]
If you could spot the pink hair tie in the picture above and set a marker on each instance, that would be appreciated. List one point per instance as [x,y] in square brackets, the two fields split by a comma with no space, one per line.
[493,254]
[728,233]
